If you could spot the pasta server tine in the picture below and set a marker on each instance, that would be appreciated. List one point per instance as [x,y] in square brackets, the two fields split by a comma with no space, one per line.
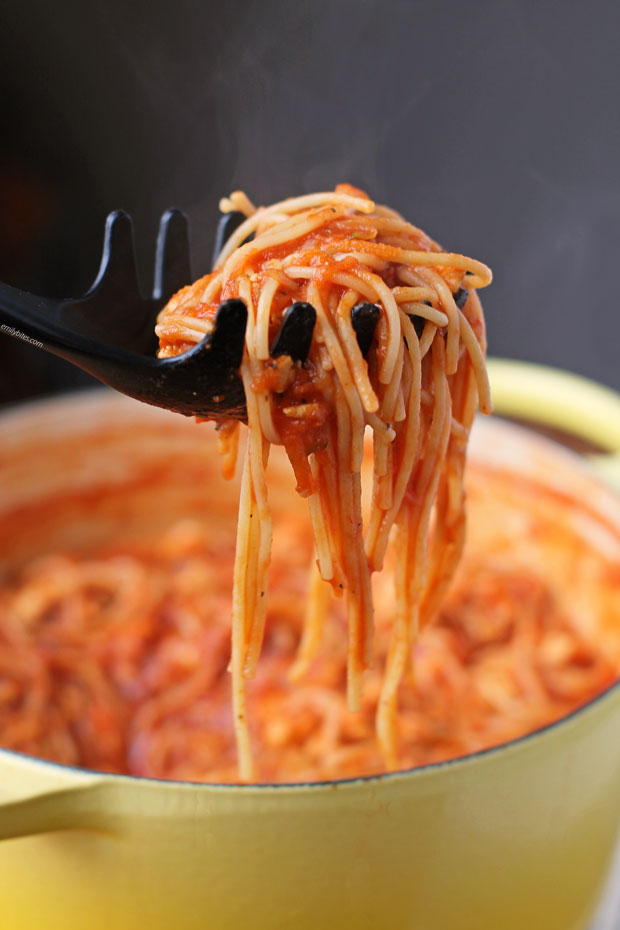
[109,331]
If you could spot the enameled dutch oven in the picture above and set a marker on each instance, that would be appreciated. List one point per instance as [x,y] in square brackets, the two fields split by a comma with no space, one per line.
[515,838]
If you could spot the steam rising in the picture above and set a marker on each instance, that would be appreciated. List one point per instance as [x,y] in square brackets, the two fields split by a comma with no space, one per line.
[476,120]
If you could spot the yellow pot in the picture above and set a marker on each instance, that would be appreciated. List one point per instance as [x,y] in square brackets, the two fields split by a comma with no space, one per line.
[515,838]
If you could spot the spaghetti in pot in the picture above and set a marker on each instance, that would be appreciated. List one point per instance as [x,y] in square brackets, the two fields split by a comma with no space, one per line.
[416,390]
[116,659]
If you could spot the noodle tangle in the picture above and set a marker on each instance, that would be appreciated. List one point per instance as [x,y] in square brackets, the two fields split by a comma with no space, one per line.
[416,392]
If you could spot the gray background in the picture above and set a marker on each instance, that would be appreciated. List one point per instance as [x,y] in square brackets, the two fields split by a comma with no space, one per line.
[494,125]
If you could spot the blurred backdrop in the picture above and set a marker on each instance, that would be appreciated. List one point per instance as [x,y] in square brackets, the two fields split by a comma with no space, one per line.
[493,124]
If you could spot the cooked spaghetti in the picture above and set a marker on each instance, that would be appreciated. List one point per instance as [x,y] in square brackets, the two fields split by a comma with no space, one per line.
[416,390]
[116,660]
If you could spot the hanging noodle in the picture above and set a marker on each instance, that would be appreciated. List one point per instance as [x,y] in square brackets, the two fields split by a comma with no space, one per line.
[416,391]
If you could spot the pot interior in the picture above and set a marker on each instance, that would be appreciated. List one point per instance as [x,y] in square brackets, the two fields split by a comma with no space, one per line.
[82,473]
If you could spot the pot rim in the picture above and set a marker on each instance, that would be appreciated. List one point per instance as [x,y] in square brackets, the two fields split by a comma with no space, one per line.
[380,777]
[498,366]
